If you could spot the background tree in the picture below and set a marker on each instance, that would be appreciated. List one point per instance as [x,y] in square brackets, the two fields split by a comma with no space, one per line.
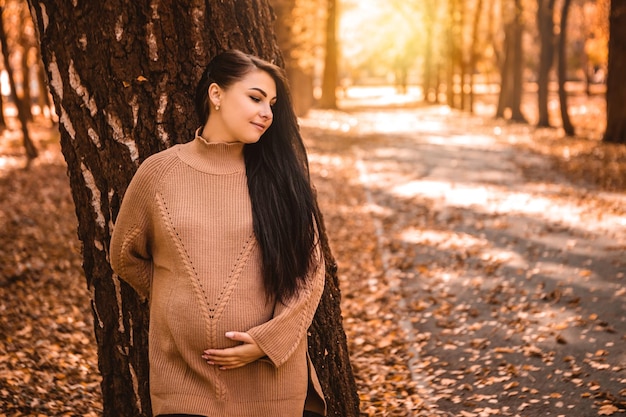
[330,78]
[511,84]
[122,76]
[474,53]
[298,30]
[615,87]
[545,26]
[562,69]
[594,19]
[429,68]
[29,146]
[453,37]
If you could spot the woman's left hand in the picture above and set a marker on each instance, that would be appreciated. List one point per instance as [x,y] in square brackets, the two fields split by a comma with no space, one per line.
[235,357]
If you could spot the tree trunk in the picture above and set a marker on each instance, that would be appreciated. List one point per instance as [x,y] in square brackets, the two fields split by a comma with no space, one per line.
[331,72]
[430,90]
[545,26]
[506,74]
[29,146]
[43,95]
[615,87]
[122,76]
[294,42]
[26,94]
[562,70]
[518,66]
[25,44]
[3,122]
[511,88]
[474,53]
[464,71]
[451,49]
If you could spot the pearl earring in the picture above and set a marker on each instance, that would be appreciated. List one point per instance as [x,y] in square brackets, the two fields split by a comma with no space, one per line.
[217,107]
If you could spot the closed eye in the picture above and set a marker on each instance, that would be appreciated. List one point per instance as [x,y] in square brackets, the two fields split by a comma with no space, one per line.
[255,99]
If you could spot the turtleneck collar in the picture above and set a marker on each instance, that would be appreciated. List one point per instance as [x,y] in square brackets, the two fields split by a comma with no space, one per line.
[213,157]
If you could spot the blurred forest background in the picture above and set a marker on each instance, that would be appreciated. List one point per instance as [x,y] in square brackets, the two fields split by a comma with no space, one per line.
[544,63]
[555,67]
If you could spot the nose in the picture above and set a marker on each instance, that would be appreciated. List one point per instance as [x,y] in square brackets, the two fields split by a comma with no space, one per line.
[266,112]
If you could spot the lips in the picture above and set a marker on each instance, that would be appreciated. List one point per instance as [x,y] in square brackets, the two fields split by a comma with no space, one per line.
[259,126]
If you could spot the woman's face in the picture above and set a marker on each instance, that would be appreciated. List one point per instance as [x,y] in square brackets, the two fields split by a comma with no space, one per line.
[245,108]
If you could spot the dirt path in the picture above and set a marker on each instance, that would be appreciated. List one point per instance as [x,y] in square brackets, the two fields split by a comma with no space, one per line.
[499,283]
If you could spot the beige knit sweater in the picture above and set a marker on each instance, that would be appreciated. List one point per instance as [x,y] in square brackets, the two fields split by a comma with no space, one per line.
[184,239]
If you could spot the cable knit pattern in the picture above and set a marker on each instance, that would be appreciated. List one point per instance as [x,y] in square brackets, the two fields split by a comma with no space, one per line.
[184,239]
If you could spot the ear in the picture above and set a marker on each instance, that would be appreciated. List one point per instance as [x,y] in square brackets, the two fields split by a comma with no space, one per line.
[215,94]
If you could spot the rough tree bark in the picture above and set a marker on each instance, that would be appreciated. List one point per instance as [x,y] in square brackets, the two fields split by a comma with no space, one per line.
[122,76]
[615,87]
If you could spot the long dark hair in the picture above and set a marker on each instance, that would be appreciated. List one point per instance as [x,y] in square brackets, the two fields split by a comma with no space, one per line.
[283,205]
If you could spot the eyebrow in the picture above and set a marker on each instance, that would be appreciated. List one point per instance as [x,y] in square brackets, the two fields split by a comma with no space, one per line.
[260,91]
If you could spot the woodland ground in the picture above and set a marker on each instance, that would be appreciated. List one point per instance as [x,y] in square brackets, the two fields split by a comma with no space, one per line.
[482,266]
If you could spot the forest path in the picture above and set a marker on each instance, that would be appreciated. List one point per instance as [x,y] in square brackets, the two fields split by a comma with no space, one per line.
[494,281]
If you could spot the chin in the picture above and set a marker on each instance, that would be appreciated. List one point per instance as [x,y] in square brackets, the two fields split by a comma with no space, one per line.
[253,140]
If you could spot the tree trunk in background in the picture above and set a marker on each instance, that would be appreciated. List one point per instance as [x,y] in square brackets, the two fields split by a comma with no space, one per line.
[562,70]
[451,54]
[512,68]
[506,74]
[430,90]
[25,44]
[292,45]
[330,79]
[474,53]
[464,61]
[122,75]
[518,66]
[26,94]
[545,26]
[43,97]
[3,122]
[615,86]
[29,147]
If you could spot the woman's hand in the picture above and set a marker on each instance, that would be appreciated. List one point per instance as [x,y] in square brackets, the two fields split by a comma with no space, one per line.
[235,357]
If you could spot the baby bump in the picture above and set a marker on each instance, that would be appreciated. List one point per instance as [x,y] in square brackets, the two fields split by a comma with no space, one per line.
[177,320]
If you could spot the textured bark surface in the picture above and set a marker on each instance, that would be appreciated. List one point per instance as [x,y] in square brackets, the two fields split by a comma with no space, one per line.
[122,76]
[615,87]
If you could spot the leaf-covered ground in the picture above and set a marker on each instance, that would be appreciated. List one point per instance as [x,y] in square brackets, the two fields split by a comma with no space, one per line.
[48,360]
[482,268]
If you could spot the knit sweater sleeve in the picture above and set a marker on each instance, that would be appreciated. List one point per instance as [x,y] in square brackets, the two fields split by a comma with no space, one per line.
[280,336]
[130,240]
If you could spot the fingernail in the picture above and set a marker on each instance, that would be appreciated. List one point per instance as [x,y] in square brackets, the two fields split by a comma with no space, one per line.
[230,334]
